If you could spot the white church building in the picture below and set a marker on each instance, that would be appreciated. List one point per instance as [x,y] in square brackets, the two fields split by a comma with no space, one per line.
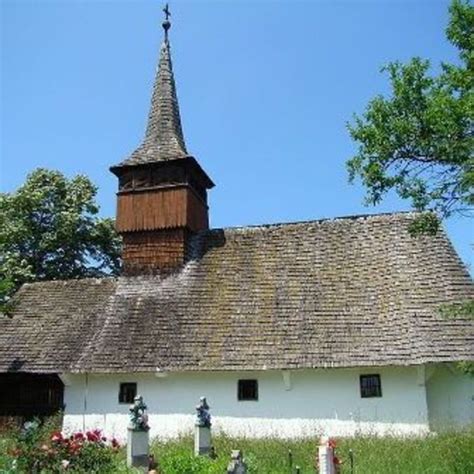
[330,326]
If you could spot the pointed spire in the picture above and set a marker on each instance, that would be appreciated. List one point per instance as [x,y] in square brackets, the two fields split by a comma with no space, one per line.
[164,138]
[164,122]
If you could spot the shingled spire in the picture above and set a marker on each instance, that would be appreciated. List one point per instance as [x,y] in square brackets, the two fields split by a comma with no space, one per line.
[164,138]
[164,122]
[162,198]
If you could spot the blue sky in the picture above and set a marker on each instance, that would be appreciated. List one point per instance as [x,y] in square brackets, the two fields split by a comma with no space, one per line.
[265,89]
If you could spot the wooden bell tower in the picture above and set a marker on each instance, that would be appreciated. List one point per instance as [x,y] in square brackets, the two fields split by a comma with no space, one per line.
[162,197]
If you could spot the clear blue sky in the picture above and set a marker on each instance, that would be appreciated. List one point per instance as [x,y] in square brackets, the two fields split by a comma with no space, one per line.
[265,89]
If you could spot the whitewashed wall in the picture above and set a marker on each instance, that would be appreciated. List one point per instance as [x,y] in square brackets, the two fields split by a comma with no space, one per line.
[450,397]
[314,402]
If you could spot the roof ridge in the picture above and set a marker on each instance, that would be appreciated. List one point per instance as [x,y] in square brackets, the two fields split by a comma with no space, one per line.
[316,221]
[98,279]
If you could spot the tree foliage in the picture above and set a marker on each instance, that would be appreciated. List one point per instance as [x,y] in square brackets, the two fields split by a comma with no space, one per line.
[49,230]
[419,140]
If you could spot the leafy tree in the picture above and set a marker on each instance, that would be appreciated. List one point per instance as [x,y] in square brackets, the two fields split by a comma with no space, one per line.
[49,230]
[419,140]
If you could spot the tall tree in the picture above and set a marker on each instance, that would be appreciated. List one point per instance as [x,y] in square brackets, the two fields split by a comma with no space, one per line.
[49,229]
[419,140]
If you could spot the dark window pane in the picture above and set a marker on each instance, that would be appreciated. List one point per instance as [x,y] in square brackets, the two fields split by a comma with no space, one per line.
[247,390]
[370,386]
[127,392]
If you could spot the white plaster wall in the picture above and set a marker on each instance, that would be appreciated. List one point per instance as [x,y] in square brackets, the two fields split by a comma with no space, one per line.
[450,397]
[316,402]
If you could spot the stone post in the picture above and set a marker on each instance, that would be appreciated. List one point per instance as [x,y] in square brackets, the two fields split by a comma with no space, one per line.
[326,457]
[236,465]
[202,429]
[138,435]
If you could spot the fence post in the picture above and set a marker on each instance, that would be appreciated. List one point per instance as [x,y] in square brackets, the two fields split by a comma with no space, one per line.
[351,459]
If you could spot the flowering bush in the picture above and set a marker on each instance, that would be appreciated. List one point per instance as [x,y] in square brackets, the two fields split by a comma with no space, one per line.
[38,450]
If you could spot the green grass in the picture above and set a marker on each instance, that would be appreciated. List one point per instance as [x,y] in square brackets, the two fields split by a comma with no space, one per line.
[448,453]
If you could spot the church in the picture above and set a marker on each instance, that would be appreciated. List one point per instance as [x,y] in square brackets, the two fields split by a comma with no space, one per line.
[296,329]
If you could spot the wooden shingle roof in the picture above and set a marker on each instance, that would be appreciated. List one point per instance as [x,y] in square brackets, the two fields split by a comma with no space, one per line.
[333,293]
[164,140]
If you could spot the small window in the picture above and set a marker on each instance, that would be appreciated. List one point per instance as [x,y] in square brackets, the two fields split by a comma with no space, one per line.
[247,390]
[127,393]
[370,386]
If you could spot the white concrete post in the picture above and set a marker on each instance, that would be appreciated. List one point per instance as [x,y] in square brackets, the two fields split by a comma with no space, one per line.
[137,448]
[202,440]
[236,465]
[326,457]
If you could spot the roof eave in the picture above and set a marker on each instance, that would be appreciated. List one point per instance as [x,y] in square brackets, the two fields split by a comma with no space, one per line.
[188,160]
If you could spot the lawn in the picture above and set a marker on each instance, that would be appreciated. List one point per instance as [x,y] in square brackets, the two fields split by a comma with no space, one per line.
[444,454]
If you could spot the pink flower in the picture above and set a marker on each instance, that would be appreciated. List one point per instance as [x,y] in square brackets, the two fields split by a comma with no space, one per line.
[57,437]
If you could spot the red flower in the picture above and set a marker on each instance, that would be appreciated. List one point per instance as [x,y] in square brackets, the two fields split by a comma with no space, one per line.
[79,436]
[93,436]
[74,448]
[336,461]
[332,443]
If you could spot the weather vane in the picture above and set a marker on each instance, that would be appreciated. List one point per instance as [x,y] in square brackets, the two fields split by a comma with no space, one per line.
[166,24]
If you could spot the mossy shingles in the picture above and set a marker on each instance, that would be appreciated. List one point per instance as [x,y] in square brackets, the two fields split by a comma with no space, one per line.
[334,293]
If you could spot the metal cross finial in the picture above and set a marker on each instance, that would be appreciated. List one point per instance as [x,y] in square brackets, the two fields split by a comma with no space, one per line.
[166,24]
[166,10]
